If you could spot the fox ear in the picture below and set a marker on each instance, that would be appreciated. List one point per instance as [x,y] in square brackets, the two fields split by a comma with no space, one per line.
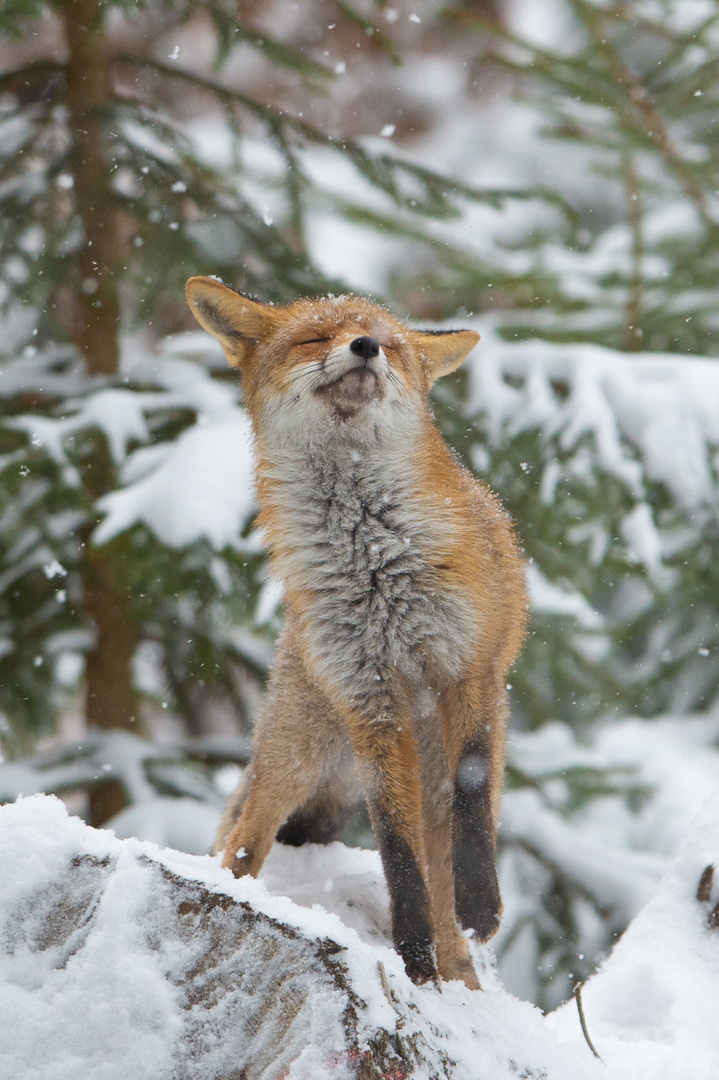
[442,351]
[237,322]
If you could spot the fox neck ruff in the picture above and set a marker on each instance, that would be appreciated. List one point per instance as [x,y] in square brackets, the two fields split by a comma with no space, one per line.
[364,565]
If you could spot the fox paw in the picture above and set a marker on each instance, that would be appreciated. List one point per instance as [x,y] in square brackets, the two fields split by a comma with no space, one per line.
[419,963]
[480,909]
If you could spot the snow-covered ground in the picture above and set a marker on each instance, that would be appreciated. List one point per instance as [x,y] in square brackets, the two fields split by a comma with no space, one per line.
[652,1005]
[93,970]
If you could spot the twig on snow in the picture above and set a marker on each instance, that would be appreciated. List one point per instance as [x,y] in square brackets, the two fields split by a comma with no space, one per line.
[582,1020]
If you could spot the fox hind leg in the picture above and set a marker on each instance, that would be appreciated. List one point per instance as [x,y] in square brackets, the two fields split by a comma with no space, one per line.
[298,744]
[477,897]
[320,819]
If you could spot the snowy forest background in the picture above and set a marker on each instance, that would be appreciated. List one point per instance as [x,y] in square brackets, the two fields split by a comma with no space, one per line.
[546,171]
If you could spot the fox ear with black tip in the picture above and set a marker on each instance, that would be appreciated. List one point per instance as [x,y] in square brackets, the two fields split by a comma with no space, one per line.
[237,322]
[442,351]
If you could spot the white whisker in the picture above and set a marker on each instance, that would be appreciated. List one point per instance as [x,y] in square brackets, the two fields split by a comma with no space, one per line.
[394,378]
[307,373]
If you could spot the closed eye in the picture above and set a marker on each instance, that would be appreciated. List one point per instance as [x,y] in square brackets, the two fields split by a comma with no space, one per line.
[314,341]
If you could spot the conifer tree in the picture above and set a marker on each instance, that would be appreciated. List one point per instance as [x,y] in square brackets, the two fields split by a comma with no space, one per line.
[628,98]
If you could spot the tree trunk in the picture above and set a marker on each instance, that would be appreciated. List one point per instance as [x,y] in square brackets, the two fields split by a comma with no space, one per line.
[88,91]
[110,696]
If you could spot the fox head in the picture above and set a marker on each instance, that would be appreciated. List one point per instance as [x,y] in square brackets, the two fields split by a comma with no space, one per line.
[338,365]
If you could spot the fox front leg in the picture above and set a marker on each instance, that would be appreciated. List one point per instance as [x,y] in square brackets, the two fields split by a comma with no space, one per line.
[389,766]
[453,957]
[298,743]
[476,886]
[473,720]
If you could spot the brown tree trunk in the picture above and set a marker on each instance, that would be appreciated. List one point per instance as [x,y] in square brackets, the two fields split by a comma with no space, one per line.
[110,700]
[110,696]
[88,91]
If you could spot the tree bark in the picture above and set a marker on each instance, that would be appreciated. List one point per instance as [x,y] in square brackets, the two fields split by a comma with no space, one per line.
[88,93]
[110,696]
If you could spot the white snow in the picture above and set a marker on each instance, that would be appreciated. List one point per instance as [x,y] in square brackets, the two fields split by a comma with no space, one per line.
[611,849]
[650,416]
[546,596]
[651,1009]
[642,536]
[109,1006]
[182,823]
[199,486]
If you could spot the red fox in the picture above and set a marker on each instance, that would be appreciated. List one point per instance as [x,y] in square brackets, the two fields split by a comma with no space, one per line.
[405,607]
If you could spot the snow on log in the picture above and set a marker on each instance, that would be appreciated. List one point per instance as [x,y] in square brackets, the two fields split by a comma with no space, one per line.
[119,959]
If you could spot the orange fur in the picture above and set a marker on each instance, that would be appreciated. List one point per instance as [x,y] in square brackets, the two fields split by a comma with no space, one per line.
[405,607]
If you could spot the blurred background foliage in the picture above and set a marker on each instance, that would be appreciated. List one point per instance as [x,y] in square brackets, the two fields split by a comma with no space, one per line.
[546,171]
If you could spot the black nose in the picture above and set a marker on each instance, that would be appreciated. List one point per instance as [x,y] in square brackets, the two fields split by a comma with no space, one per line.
[365,346]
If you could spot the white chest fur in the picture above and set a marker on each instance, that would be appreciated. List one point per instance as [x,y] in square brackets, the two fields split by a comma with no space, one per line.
[360,542]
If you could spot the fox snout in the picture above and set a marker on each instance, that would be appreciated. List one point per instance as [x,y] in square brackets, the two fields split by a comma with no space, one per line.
[354,375]
[365,347]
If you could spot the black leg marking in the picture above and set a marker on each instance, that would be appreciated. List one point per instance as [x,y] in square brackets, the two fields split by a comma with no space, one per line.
[476,887]
[411,923]
[317,822]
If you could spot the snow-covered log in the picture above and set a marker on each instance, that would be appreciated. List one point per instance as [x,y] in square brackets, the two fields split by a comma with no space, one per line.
[120,959]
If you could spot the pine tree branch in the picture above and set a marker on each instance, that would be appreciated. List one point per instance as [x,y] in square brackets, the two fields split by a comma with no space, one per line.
[23,81]
[381,170]
[571,72]
[377,36]
[654,125]
[579,76]
[641,21]
[230,29]
[15,13]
